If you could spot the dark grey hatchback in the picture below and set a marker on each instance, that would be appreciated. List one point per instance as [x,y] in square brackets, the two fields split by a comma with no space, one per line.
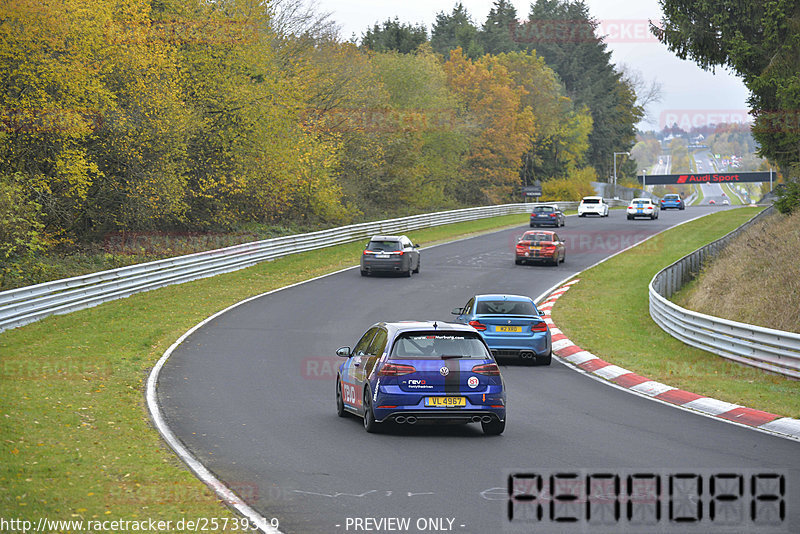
[390,254]
[547,216]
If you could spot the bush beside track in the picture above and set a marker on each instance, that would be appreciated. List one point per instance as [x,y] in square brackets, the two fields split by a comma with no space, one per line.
[608,315]
[76,438]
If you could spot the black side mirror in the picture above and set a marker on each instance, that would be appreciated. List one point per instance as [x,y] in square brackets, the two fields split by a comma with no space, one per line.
[343,352]
[416,246]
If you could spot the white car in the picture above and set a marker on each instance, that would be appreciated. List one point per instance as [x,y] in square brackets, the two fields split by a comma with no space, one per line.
[642,207]
[593,206]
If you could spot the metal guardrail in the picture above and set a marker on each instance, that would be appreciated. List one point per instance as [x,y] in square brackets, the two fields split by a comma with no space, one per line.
[776,351]
[32,303]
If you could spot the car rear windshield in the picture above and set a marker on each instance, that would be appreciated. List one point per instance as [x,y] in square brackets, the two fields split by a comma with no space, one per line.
[543,209]
[672,197]
[439,346]
[505,307]
[591,201]
[384,246]
[533,236]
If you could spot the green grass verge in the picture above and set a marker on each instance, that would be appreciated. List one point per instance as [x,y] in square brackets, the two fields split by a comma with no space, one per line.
[607,314]
[76,438]
[699,198]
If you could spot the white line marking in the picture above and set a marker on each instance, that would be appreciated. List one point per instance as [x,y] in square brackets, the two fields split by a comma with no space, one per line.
[222,491]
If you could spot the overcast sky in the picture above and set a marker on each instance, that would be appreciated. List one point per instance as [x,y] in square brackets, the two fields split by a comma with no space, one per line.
[690,96]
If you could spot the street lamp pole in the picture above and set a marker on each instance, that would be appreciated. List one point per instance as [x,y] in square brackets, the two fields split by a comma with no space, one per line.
[615,169]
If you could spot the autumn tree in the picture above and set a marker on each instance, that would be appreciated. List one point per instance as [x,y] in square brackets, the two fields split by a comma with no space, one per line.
[561,136]
[503,126]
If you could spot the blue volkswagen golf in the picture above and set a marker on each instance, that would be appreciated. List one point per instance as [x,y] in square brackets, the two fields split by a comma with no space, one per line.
[511,325]
[413,372]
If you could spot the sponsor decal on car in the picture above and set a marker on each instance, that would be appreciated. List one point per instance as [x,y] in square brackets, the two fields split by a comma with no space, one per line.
[473,382]
[417,384]
[351,394]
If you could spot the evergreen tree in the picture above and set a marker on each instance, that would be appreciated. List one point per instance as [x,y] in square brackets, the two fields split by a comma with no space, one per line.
[564,33]
[496,35]
[456,30]
[394,35]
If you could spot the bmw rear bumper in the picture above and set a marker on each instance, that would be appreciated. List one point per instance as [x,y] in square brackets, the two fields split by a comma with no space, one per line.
[536,256]
[523,348]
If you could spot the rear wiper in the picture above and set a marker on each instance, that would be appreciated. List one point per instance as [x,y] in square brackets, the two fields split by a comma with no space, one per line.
[451,356]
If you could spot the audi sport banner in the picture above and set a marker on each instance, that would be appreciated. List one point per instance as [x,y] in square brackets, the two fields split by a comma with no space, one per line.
[710,178]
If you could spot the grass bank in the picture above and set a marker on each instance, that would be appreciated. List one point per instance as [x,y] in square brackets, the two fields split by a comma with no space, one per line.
[755,280]
[76,442]
[607,314]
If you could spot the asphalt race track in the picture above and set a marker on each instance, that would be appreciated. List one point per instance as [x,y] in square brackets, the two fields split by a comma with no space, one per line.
[251,394]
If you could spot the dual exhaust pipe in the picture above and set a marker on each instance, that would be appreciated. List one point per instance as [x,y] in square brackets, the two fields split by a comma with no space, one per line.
[403,419]
[410,420]
[526,355]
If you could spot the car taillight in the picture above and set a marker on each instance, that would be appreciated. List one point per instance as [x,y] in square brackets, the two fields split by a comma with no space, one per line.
[552,215]
[539,327]
[488,369]
[477,325]
[396,369]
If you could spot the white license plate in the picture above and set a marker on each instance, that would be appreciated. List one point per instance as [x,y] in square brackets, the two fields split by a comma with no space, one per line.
[381,255]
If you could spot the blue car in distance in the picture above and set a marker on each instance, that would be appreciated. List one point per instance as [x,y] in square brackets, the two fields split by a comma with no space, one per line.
[672,201]
[410,372]
[511,325]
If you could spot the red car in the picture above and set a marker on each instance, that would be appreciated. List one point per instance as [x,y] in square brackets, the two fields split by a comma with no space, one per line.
[540,245]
